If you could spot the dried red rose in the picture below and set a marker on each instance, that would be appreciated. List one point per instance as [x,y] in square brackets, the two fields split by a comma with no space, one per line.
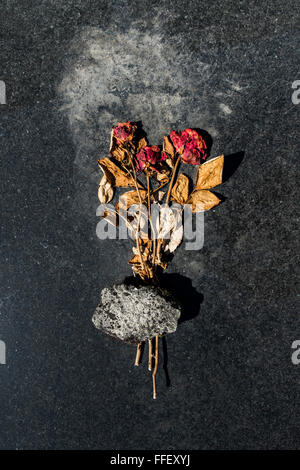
[149,158]
[124,131]
[190,145]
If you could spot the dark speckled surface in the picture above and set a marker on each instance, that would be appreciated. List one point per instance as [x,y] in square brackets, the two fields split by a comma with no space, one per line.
[225,66]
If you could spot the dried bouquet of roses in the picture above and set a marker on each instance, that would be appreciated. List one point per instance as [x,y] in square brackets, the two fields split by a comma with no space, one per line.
[152,213]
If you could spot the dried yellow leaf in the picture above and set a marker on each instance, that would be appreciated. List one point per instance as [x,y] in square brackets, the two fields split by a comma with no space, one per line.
[202,200]
[180,190]
[210,173]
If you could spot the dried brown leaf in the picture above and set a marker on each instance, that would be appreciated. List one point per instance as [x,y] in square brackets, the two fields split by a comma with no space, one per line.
[129,198]
[115,175]
[144,250]
[161,178]
[116,149]
[162,264]
[180,190]
[168,147]
[203,200]
[163,175]
[144,268]
[210,173]
[141,144]
[135,260]
[120,154]
[144,274]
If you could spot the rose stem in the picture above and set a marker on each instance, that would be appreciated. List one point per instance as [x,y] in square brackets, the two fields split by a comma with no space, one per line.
[150,354]
[148,195]
[159,188]
[138,224]
[129,174]
[172,180]
[167,200]
[155,367]
[138,354]
[150,221]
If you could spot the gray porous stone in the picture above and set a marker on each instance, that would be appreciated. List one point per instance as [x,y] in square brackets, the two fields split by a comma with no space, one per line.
[135,314]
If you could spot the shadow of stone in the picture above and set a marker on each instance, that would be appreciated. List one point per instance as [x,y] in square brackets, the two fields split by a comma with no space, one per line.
[182,289]
[165,361]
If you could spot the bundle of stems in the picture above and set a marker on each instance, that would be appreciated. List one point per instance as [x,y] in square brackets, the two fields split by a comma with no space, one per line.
[156,248]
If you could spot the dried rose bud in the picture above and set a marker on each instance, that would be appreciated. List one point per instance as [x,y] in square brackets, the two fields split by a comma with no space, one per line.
[190,145]
[149,158]
[124,131]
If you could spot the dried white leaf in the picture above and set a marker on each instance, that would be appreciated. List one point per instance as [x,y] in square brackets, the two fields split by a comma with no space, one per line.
[171,227]
[175,240]
[169,162]
[166,221]
[160,195]
[139,223]
[105,191]
[111,140]
[111,217]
